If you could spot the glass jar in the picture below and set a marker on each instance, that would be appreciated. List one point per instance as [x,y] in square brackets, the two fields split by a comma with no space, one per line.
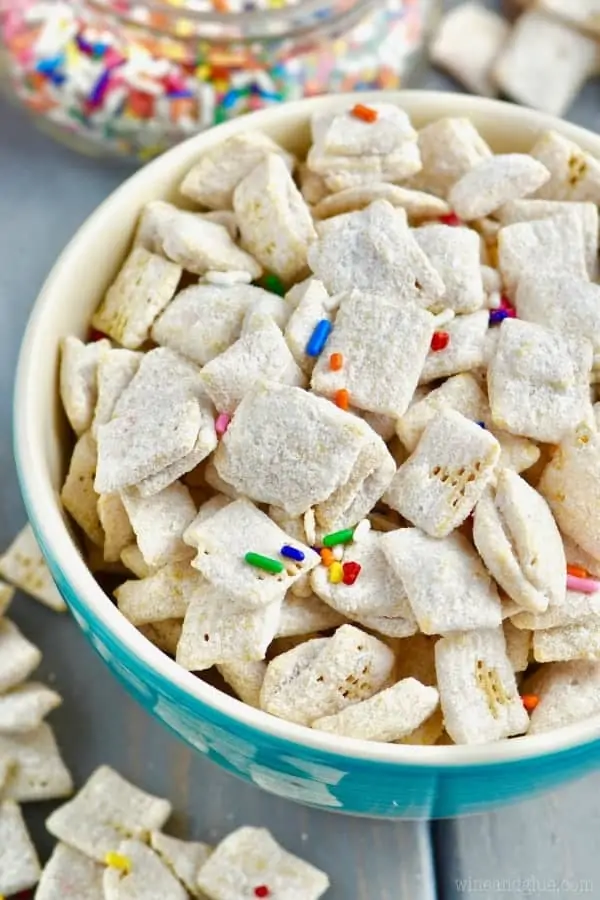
[124,77]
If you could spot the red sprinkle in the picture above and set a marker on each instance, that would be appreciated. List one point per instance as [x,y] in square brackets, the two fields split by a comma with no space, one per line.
[96,335]
[440,340]
[450,219]
[342,399]
[351,572]
[364,112]
[530,701]
[262,891]
[336,361]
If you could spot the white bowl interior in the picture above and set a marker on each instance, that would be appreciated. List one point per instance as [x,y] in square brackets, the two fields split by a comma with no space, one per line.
[77,283]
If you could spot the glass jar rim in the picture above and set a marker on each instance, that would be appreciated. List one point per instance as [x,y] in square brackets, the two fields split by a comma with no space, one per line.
[289,21]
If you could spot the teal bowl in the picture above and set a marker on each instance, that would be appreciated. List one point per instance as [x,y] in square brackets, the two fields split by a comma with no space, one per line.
[311,767]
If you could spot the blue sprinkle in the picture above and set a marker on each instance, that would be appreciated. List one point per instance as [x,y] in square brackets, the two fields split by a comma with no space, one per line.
[292,553]
[47,66]
[318,338]
[497,315]
[481,425]
[230,99]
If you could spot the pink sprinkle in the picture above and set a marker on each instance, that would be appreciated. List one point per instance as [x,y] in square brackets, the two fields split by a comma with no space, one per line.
[583,585]
[222,423]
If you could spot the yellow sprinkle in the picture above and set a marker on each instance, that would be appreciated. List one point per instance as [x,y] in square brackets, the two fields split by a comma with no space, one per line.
[202,72]
[117,861]
[336,573]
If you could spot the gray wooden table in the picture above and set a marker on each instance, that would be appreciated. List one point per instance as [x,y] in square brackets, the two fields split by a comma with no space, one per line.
[539,848]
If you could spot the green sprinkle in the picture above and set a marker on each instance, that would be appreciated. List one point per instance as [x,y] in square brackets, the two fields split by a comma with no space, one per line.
[273,283]
[264,562]
[338,537]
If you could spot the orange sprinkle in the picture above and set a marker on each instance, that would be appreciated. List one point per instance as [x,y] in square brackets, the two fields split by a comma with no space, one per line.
[530,701]
[578,572]
[342,398]
[364,112]
[336,361]
[327,556]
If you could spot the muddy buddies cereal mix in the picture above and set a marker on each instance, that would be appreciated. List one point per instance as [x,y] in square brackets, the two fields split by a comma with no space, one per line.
[335,434]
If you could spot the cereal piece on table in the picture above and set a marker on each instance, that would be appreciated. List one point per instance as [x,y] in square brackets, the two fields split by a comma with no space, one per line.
[103,812]
[319,677]
[568,692]
[550,77]
[183,858]
[39,772]
[312,305]
[565,642]
[478,690]
[374,248]
[440,483]
[526,247]
[69,875]
[245,678]
[390,715]
[378,591]
[19,863]
[562,302]
[571,485]
[223,543]
[268,310]
[487,31]
[18,656]
[159,523]
[142,289]
[275,222]
[518,645]
[382,382]
[459,346]
[204,319]
[417,204]
[449,149]
[23,565]
[519,542]
[582,14]
[118,533]
[538,381]
[343,480]
[213,179]
[78,495]
[165,594]
[454,253]
[143,877]
[7,592]
[262,354]
[79,364]
[530,210]
[132,558]
[115,371]
[575,173]
[162,418]
[164,634]
[575,608]
[495,181]
[446,584]
[249,862]
[215,630]
[23,708]
[306,615]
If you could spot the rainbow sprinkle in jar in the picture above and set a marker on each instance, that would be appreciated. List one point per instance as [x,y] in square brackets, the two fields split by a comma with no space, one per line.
[131,78]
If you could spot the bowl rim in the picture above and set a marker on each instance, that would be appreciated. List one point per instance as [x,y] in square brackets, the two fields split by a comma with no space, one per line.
[43,504]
